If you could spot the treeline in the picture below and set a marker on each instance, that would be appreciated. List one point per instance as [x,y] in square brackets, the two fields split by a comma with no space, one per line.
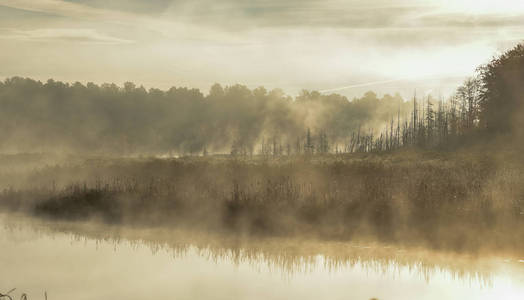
[486,106]
[51,116]
[432,124]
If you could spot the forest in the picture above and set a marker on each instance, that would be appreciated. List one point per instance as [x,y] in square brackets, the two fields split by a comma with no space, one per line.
[76,118]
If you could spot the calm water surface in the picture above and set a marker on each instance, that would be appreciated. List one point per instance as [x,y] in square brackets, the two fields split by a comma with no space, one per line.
[70,265]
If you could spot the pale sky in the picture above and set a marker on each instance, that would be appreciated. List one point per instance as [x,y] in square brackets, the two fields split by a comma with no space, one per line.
[347,47]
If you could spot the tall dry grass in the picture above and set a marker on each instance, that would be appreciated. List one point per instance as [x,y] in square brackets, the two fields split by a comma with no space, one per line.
[458,204]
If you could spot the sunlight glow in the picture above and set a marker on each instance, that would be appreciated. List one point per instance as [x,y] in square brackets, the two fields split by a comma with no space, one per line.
[483,6]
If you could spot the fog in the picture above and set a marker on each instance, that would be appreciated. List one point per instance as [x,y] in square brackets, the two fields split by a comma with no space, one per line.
[146,263]
[108,119]
[201,149]
[293,45]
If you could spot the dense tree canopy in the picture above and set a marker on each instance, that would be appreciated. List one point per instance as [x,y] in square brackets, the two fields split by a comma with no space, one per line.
[502,95]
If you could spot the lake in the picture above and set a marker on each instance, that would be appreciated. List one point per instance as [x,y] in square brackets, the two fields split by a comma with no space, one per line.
[90,261]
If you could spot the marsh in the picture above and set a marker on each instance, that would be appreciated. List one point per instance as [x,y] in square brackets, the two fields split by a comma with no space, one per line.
[200,149]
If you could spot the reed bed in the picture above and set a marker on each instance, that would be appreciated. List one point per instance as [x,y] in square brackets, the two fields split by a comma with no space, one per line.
[443,204]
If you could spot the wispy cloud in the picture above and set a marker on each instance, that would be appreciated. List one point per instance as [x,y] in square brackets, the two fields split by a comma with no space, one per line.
[64,35]
[239,15]
[222,20]
[292,43]
[167,27]
[57,7]
[458,20]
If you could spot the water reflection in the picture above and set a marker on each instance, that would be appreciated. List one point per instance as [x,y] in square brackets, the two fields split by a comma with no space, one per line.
[77,261]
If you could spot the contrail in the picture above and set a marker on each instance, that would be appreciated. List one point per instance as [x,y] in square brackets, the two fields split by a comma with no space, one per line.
[362,85]
[390,81]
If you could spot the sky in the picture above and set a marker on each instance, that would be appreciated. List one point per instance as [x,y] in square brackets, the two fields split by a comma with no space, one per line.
[346,47]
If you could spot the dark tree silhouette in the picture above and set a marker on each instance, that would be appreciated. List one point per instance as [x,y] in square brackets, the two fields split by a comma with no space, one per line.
[502,93]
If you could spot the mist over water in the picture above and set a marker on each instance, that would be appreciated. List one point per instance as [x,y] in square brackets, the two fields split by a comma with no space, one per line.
[49,256]
[200,149]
